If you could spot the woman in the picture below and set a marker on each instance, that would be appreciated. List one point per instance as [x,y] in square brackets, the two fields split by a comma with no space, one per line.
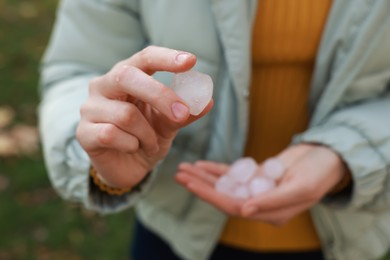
[130,135]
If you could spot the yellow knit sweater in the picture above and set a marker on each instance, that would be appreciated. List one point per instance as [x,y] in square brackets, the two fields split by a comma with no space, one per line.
[286,36]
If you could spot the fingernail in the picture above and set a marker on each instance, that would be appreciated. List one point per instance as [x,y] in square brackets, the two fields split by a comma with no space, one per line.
[182,57]
[179,110]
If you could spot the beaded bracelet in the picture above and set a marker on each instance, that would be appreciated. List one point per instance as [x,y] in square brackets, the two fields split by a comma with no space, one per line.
[104,187]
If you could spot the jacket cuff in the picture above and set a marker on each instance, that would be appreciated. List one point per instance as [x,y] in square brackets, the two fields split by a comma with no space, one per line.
[367,165]
[106,203]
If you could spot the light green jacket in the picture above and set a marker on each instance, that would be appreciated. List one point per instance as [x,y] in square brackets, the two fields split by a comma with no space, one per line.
[349,103]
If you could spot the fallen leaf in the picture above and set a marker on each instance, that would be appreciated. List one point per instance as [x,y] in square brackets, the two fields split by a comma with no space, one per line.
[28,10]
[88,214]
[37,197]
[99,227]
[4,183]
[6,255]
[40,234]
[7,115]
[8,146]
[43,252]
[26,138]
[76,236]
[19,249]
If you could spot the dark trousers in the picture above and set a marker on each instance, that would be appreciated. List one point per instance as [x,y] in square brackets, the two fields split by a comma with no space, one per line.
[148,246]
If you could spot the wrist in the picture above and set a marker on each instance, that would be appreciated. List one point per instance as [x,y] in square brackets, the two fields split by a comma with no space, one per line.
[344,182]
[104,186]
[345,176]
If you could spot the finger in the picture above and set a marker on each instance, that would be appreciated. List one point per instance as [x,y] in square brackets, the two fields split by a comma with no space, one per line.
[155,58]
[133,82]
[193,118]
[284,195]
[206,192]
[279,216]
[286,158]
[182,178]
[124,115]
[94,137]
[302,182]
[198,172]
[292,154]
[166,128]
[218,169]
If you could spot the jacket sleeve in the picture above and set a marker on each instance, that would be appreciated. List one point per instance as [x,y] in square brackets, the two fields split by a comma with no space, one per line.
[89,37]
[359,127]
[360,135]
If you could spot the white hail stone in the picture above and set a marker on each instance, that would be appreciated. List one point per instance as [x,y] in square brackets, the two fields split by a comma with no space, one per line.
[273,168]
[242,170]
[195,88]
[260,185]
[241,192]
[225,185]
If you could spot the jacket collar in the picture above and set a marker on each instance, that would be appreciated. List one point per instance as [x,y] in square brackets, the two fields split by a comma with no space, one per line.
[234,24]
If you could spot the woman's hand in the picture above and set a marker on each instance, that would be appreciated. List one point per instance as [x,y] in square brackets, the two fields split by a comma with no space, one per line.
[129,120]
[312,171]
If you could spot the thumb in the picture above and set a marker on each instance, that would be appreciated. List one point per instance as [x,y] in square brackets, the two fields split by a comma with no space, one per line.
[168,128]
[205,111]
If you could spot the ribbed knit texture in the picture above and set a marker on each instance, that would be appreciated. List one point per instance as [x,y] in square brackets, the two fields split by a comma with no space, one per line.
[286,38]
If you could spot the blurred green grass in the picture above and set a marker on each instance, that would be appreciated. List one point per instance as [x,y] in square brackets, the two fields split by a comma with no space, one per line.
[34,222]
